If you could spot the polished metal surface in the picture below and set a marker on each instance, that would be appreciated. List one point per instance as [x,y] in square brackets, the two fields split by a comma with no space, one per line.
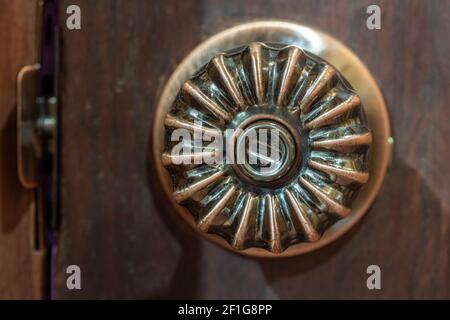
[28,144]
[301,196]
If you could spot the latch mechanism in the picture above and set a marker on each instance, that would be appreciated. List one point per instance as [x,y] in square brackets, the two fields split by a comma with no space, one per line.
[28,146]
[37,135]
[37,145]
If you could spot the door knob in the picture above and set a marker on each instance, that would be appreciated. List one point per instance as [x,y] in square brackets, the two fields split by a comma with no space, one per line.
[271,139]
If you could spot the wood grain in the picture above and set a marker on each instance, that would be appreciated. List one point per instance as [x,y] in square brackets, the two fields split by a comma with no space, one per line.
[19,274]
[129,245]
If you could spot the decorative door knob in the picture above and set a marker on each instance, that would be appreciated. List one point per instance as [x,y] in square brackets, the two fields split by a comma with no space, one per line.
[271,139]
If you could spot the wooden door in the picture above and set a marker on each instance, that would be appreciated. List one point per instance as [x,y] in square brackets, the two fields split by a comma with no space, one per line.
[130,245]
[21,261]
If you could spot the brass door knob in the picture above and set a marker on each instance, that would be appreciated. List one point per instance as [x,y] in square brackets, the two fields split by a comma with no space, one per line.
[265,136]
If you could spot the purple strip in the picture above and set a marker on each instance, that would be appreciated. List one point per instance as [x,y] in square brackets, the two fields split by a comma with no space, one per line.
[47,88]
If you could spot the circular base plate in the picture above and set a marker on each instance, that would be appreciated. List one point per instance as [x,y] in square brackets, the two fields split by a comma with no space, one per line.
[325,47]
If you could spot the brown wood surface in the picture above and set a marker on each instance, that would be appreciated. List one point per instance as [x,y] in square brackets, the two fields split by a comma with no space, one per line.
[129,245]
[19,274]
